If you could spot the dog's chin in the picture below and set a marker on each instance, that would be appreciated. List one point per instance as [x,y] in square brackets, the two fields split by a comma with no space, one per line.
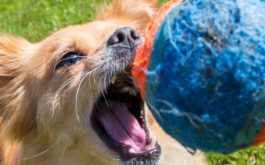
[119,120]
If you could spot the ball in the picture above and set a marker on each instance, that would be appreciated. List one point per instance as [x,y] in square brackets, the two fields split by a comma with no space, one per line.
[201,71]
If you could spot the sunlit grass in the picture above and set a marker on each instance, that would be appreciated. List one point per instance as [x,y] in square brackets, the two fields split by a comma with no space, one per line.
[36,19]
[249,156]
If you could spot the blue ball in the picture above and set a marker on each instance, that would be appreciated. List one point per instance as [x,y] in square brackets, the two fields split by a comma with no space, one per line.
[205,82]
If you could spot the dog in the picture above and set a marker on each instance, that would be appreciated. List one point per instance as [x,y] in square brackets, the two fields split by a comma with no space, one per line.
[71,99]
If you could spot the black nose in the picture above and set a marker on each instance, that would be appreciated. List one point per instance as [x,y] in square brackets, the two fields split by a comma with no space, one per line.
[124,35]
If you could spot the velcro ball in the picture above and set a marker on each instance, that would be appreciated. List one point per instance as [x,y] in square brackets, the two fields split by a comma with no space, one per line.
[201,71]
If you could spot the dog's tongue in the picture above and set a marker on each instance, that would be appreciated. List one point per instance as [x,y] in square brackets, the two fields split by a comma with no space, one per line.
[121,126]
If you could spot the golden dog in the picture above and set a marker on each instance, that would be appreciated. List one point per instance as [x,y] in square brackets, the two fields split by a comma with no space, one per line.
[71,100]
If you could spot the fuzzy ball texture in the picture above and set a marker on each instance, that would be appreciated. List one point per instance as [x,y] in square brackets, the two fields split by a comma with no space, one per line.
[205,81]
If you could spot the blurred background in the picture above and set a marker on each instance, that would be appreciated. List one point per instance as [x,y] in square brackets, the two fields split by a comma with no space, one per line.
[36,19]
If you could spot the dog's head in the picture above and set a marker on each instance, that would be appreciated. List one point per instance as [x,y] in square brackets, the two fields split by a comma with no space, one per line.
[72,94]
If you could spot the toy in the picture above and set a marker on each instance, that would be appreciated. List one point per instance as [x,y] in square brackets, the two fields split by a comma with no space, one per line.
[202,72]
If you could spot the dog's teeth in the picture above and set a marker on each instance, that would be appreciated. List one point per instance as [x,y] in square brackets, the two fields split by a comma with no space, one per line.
[153,143]
[132,151]
[129,90]
[113,80]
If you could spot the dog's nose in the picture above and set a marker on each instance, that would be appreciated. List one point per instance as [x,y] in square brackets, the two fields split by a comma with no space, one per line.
[125,36]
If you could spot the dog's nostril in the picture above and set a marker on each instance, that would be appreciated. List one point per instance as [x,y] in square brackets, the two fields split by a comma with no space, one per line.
[113,40]
[123,36]
[135,35]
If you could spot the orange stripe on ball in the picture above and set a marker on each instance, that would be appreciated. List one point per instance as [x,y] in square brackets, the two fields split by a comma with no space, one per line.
[261,138]
[143,55]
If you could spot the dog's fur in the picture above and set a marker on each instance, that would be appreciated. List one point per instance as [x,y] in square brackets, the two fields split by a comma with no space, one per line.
[41,123]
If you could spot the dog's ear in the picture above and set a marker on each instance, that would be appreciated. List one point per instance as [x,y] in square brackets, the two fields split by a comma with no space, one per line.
[10,48]
[137,12]
[16,117]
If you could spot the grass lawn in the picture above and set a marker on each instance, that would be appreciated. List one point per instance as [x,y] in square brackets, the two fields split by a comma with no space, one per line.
[36,19]
[249,156]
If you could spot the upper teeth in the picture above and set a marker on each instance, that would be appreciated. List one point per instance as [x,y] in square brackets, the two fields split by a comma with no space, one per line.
[153,143]
[129,90]
[113,79]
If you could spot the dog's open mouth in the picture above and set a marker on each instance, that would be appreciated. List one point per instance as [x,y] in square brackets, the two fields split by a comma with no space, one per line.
[119,119]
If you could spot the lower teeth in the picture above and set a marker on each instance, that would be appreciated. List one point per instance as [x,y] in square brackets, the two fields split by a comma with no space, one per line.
[113,80]
[132,151]
[153,141]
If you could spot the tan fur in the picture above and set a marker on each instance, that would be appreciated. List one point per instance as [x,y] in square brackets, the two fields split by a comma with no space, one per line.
[40,126]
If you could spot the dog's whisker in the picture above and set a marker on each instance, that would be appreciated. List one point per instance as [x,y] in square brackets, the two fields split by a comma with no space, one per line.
[89,77]
[105,99]
[94,77]
[39,154]
[62,153]
[67,82]
[104,89]
[105,81]
[78,89]
[76,97]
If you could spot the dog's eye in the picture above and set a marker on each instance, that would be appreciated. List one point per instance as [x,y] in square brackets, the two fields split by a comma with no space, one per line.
[70,59]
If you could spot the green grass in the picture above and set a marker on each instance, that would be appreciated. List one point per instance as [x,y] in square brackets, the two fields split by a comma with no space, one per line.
[249,156]
[36,19]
